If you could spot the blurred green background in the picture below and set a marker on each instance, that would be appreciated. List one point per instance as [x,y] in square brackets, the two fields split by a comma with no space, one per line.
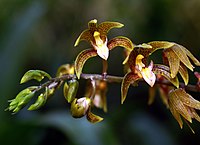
[40,34]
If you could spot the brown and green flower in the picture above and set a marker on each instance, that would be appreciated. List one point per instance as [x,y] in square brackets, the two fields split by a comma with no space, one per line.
[182,104]
[96,35]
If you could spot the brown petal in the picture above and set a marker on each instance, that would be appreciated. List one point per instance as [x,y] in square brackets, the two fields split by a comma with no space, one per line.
[120,41]
[176,115]
[164,71]
[191,56]
[182,56]
[92,25]
[174,62]
[92,117]
[184,73]
[195,115]
[104,27]
[187,99]
[85,35]
[160,45]
[177,104]
[127,80]
[82,58]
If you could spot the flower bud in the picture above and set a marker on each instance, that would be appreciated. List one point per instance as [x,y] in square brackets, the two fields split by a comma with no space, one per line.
[79,107]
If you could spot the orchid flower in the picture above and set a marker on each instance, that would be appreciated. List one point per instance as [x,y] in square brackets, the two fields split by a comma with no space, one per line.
[96,35]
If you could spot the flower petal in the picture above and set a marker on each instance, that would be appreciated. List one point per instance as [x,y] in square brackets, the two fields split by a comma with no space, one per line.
[174,62]
[104,27]
[176,115]
[82,58]
[184,73]
[191,56]
[182,56]
[120,41]
[160,45]
[148,76]
[187,99]
[92,117]
[103,51]
[177,104]
[85,35]
[164,71]
[127,80]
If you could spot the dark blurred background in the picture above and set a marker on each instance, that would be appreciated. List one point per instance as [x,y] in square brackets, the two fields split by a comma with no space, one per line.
[40,34]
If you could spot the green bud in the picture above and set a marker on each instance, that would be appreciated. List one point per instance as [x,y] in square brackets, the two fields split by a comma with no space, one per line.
[41,100]
[22,99]
[79,107]
[34,74]
[70,90]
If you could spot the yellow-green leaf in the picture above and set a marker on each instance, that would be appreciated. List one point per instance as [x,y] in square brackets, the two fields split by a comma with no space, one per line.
[65,69]
[34,74]
[82,58]
[127,80]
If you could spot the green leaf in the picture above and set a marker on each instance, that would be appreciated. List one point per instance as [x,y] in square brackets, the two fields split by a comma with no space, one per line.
[120,41]
[34,74]
[82,58]
[165,72]
[127,80]
[22,99]
[70,90]
[92,118]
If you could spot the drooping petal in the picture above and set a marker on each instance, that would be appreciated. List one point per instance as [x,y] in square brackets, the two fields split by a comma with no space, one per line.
[184,73]
[174,62]
[182,56]
[187,99]
[92,118]
[177,104]
[82,58]
[191,56]
[164,71]
[120,41]
[127,80]
[176,114]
